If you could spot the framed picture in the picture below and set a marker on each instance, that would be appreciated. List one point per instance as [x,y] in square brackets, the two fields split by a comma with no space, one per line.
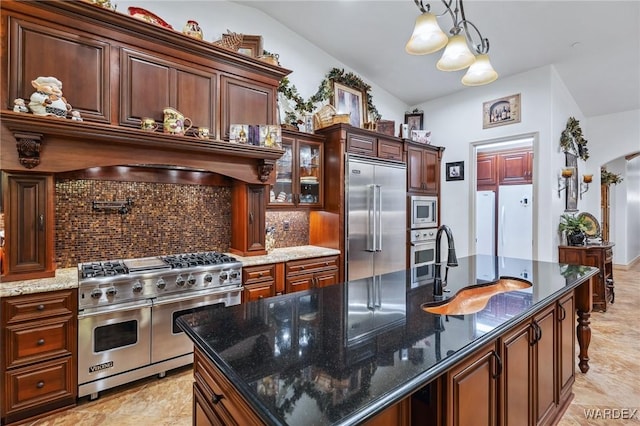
[347,100]
[455,171]
[251,45]
[414,120]
[422,136]
[500,112]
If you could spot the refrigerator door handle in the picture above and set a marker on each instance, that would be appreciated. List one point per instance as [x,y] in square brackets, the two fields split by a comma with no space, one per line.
[372,223]
[379,218]
[370,297]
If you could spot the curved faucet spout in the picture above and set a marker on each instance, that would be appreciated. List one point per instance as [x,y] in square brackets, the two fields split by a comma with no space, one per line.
[452,260]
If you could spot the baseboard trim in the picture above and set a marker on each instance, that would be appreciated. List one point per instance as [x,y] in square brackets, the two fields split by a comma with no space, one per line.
[629,265]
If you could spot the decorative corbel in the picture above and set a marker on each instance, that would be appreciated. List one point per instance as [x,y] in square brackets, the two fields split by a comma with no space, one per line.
[265,167]
[28,146]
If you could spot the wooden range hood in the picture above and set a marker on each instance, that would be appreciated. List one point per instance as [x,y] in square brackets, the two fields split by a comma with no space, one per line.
[55,145]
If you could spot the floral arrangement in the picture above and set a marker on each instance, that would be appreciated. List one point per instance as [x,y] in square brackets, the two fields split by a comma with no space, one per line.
[572,140]
[608,178]
[324,93]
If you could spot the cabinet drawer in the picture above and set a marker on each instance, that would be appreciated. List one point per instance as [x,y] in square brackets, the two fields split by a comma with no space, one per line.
[216,387]
[29,386]
[255,274]
[608,255]
[30,344]
[38,306]
[361,144]
[311,265]
[388,149]
[258,291]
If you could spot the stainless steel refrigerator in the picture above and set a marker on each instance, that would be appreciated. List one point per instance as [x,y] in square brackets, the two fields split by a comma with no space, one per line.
[376,217]
[376,246]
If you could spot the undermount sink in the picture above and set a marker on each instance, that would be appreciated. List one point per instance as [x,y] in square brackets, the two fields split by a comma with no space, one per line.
[473,299]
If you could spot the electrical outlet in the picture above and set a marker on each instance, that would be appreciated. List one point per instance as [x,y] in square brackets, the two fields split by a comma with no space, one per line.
[286,225]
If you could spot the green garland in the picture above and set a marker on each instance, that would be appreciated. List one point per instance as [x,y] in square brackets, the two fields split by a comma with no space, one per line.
[325,91]
[572,139]
[608,178]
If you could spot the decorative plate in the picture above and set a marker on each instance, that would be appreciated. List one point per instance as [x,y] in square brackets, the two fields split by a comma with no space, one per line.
[595,225]
[145,15]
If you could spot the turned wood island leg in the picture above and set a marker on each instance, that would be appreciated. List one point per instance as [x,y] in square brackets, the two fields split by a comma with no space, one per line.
[584,304]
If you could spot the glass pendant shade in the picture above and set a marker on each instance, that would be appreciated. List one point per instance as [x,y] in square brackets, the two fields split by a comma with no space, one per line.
[456,56]
[427,36]
[480,72]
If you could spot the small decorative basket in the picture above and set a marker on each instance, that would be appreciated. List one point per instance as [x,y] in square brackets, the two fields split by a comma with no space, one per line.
[326,116]
[230,41]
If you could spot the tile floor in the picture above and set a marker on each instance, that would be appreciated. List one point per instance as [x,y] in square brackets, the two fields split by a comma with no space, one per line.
[611,383]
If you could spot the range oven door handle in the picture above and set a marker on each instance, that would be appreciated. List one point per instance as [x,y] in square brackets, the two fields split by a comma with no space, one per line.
[193,296]
[93,312]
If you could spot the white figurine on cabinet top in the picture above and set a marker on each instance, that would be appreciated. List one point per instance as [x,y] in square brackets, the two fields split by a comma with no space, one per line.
[75,115]
[19,105]
[48,99]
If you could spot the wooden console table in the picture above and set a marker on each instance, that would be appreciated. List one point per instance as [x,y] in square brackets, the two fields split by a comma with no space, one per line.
[600,256]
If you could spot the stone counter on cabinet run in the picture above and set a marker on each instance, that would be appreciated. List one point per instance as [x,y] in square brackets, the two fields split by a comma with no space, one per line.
[64,279]
[286,254]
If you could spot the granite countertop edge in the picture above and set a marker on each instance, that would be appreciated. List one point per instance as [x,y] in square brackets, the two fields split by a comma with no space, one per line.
[66,278]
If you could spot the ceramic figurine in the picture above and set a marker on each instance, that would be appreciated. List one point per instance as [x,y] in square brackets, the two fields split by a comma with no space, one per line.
[75,115]
[19,106]
[192,29]
[48,99]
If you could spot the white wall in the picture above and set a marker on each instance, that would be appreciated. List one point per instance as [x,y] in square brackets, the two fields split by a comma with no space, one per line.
[309,63]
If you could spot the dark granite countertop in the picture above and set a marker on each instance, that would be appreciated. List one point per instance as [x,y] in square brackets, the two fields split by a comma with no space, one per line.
[339,354]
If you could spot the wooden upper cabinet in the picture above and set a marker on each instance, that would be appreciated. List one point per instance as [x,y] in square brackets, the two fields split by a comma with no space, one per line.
[30,222]
[80,61]
[516,167]
[248,207]
[149,84]
[423,169]
[487,170]
[247,102]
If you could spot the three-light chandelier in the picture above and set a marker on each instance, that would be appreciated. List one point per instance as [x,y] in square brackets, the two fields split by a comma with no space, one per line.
[428,37]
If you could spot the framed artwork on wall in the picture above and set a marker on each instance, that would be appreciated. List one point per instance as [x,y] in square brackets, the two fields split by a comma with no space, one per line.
[572,183]
[348,100]
[455,171]
[414,120]
[500,112]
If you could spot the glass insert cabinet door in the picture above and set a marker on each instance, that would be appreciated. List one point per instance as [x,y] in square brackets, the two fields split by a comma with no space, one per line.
[298,174]
[309,173]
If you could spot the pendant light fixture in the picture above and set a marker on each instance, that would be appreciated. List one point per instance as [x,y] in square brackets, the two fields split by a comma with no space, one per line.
[461,50]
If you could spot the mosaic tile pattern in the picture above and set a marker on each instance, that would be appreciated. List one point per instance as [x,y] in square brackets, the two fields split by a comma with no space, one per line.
[164,218]
[298,233]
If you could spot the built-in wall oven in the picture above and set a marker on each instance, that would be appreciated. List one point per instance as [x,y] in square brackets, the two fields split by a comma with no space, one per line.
[127,312]
[422,255]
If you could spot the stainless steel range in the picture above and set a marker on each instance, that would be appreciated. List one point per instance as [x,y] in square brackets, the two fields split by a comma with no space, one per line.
[127,311]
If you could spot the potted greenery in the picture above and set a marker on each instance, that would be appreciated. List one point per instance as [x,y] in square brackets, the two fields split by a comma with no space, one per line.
[574,228]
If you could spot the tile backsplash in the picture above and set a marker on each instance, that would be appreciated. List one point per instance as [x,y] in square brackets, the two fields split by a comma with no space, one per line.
[164,218]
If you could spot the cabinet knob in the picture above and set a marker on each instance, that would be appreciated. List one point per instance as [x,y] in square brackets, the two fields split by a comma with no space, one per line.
[40,384]
[40,307]
[259,274]
[216,398]
[40,342]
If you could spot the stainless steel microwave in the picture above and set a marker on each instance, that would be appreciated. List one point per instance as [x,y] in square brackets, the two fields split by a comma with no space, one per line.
[424,212]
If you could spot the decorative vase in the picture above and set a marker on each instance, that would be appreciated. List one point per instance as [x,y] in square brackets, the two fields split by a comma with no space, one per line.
[192,29]
[576,239]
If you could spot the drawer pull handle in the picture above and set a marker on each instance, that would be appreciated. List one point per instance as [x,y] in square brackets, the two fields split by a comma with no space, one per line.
[216,398]
[40,307]
[40,342]
[40,384]
[259,274]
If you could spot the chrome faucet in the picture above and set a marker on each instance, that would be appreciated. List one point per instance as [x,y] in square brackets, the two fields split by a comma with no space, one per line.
[452,260]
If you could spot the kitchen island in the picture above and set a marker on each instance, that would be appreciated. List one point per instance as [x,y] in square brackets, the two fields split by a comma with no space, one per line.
[341,355]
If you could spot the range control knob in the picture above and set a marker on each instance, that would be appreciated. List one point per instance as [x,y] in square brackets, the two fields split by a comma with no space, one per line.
[96,293]
[111,291]
[208,278]
[224,275]
[417,235]
[161,283]
[137,286]
[179,281]
[234,275]
[191,280]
